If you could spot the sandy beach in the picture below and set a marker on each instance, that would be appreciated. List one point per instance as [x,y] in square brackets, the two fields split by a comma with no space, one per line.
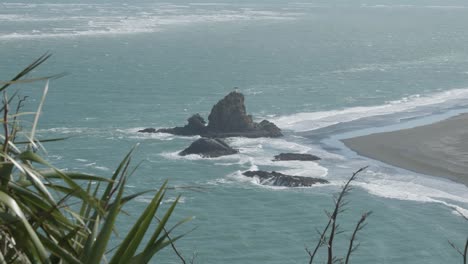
[439,149]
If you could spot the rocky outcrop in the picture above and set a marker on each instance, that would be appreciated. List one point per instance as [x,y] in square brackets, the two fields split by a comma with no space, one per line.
[269,128]
[229,115]
[209,148]
[196,126]
[296,156]
[148,130]
[228,118]
[192,128]
[278,179]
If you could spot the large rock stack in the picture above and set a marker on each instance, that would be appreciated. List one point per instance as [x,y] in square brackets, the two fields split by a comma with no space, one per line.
[228,118]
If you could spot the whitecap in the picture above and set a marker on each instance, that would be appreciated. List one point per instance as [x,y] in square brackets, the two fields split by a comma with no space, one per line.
[134,134]
[315,120]
[66,130]
[117,20]
[102,168]
[415,187]
[175,156]
[173,199]
[398,65]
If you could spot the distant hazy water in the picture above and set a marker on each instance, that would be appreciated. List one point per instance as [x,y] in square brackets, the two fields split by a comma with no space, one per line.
[317,69]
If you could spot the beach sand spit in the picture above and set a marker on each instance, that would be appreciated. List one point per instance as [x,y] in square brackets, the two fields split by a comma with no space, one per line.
[439,149]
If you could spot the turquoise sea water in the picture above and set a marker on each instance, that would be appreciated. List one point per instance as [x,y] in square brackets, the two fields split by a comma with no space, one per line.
[318,69]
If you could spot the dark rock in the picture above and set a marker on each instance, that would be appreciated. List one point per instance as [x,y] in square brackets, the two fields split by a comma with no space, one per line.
[247,134]
[209,147]
[228,118]
[196,126]
[278,179]
[270,128]
[196,123]
[147,130]
[296,156]
[229,115]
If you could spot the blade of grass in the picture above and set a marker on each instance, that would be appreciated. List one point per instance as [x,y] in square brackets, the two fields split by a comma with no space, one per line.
[135,233]
[100,245]
[31,80]
[106,195]
[74,176]
[42,140]
[11,203]
[38,111]
[141,231]
[59,251]
[28,69]
[35,179]
[31,156]
[154,244]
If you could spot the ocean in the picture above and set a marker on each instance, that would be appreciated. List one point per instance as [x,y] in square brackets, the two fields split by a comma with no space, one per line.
[321,70]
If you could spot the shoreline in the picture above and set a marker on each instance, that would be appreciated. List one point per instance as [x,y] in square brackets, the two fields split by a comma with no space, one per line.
[439,149]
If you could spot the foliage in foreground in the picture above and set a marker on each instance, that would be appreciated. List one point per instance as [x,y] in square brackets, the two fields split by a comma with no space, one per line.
[46,216]
[332,228]
[52,216]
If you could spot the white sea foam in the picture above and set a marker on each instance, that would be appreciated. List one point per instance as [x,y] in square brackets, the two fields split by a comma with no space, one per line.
[175,156]
[414,187]
[134,134]
[253,180]
[257,154]
[28,18]
[409,64]
[416,6]
[210,4]
[446,7]
[97,167]
[441,7]
[65,130]
[103,19]
[147,199]
[102,168]
[388,6]
[55,157]
[315,120]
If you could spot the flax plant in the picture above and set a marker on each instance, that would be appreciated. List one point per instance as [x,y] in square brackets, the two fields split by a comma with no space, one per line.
[38,224]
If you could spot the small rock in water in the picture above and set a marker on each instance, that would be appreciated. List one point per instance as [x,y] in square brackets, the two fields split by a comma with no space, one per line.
[278,179]
[209,147]
[296,156]
[147,130]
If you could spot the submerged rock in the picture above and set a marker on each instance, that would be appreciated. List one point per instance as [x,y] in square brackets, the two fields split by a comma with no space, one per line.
[228,118]
[147,130]
[209,147]
[296,156]
[278,179]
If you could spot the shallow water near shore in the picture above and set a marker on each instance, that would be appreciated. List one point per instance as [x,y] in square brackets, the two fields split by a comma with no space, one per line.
[318,70]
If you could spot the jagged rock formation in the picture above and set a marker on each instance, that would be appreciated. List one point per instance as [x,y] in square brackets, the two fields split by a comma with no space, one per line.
[278,179]
[195,126]
[228,118]
[209,148]
[296,156]
[229,115]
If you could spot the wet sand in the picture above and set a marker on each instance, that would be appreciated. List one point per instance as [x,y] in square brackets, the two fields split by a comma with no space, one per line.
[439,149]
